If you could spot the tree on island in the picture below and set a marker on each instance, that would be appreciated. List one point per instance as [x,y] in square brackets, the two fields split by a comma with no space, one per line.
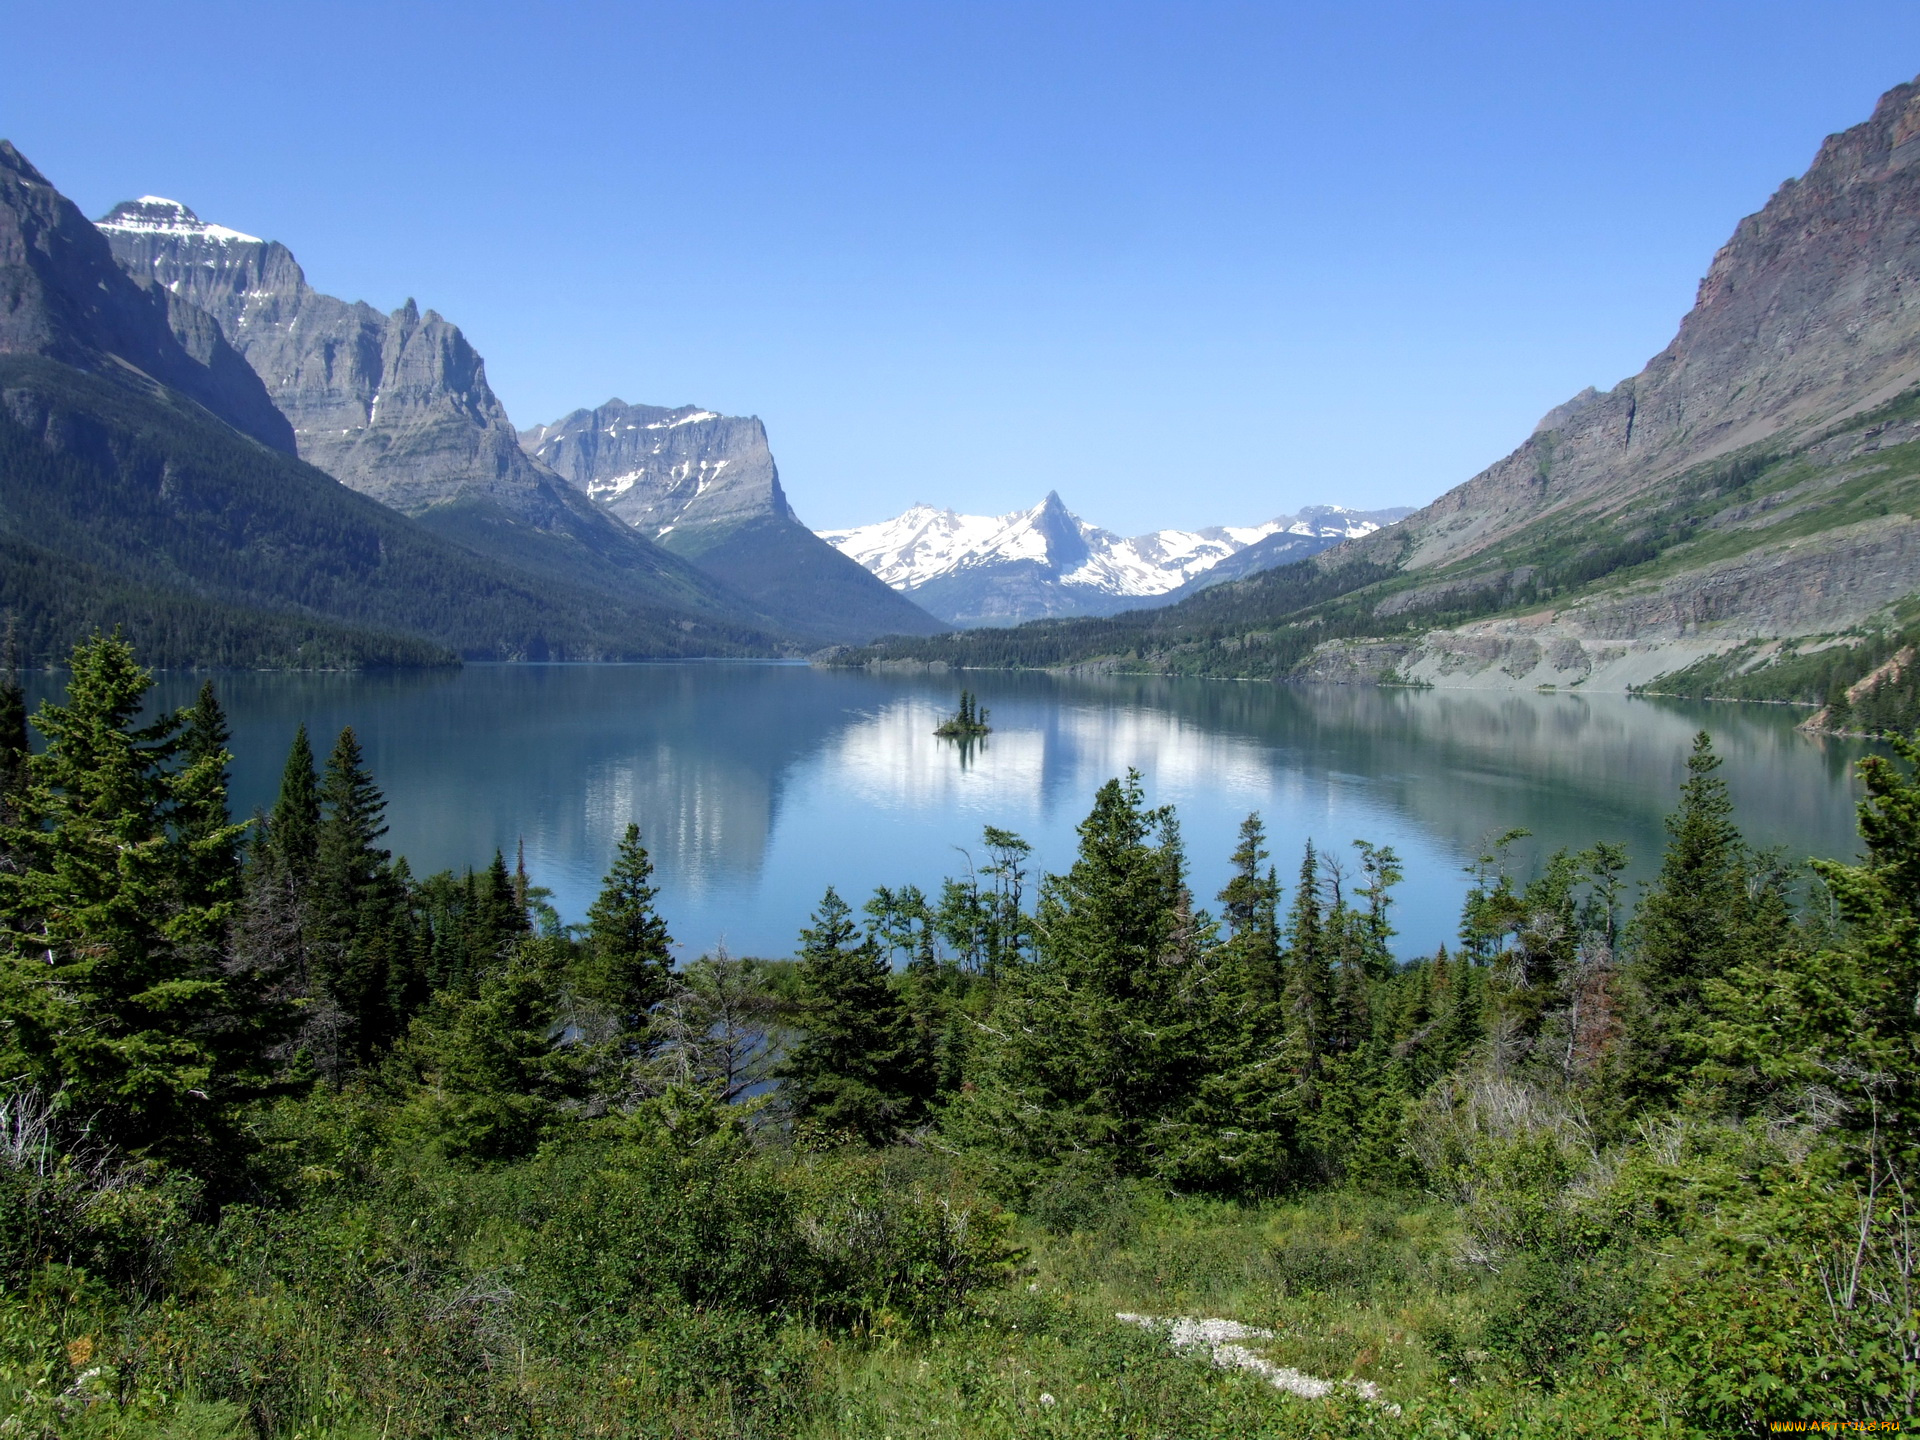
[967,723]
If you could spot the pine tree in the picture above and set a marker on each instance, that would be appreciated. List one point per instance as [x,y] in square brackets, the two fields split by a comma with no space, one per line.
[628,962]
[496,1083]
[13,739]
[1307,998]
[358,931]
[856,1070]
[1692,928]
[275,923]
[1834,1015]
[201,815]
[114,997]
[1237,1134]
[293,829]
[502,914]
[14,748]
[1096,1047]
[1105,924]
[1251,901]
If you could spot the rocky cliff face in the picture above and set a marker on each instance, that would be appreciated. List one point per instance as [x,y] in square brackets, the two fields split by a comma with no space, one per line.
[396,406]
[657,468]
[1808,315]
[63,297]
[705,486]
[1757,479]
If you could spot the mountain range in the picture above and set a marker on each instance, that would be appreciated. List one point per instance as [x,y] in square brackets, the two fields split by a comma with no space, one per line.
[147,481]
[397,406]
[974,570]
[1745,504]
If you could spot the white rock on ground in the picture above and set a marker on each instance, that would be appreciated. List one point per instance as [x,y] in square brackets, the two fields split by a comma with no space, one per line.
[1215,1338]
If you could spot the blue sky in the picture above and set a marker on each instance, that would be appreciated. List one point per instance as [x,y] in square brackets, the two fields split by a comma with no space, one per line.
[1185,263]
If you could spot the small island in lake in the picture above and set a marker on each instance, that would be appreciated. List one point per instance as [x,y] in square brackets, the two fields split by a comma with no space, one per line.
[968,723]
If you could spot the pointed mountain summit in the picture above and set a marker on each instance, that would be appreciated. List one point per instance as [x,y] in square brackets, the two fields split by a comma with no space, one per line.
[397,406]
[62,297]
[1043,561]
[705,486]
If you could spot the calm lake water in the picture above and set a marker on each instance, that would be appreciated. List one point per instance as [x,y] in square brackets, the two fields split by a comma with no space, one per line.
[757,785]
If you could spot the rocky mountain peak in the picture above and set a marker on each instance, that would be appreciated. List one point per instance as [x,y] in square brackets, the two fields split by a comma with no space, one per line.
[395,405]
[658,467]
[1806,316]
[1046,560]
[63,297]
[157,215]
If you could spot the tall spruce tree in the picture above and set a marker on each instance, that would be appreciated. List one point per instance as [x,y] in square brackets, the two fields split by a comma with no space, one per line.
[14,748]
[1692,928]
[1308,995]
[1250,906]
[13,738]
[1237,1133]
[1095,1049]
[856,1070]
[358,921]
[293,828]
[201,816]
[115,998]
[1812,1013]
[627,964]
[276,924]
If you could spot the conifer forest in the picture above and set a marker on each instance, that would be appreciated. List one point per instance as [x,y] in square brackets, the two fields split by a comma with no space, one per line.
[297,1143]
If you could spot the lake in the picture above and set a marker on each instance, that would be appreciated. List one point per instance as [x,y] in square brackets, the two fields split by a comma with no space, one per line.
[757,785]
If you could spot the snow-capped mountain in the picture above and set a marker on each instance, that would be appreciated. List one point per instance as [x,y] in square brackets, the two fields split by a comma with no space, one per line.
[1002,569]
[704,485]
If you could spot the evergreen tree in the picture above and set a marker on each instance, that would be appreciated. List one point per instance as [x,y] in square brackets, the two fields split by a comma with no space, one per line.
[358,930]
[987,925]
[502,915]
[1096,1048]
[856,1070]
[293,829]
[1105,924]
[1250,904]
[275,921]
[495,1084]
[13,739]
[627,965]
[200,800]
[1308,995]
[1692,928]
[115,1000]
[1238,1131]
[14,749]
[1799,1018]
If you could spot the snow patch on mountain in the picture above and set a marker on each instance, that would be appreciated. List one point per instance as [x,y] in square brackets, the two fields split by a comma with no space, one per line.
[157,215]
[927,543]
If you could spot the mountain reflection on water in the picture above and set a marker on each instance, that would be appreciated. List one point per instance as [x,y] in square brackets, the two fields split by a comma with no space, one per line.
[756,786]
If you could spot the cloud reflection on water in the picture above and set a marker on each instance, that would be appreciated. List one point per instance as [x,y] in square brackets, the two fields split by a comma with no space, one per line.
[757,785]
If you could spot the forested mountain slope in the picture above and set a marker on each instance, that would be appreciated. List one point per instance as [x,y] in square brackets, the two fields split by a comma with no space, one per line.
[119,507]
[1757,483]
